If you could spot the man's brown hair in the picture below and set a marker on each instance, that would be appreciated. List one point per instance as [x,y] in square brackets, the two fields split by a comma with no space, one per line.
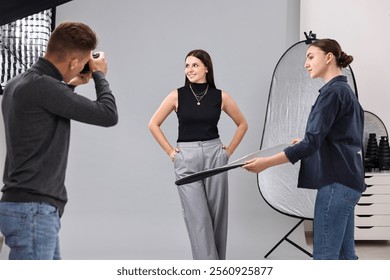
[69,37]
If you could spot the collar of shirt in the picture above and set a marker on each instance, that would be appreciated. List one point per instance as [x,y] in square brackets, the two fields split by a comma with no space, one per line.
[46,67]
[340,78]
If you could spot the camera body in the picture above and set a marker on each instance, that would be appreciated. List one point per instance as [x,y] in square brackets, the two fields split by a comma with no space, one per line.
[86,67]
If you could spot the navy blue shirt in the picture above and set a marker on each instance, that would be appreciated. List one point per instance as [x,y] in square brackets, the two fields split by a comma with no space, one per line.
[331,150]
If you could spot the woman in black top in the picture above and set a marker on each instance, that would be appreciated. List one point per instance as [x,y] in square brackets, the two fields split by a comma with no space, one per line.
[330,153]
[198,106]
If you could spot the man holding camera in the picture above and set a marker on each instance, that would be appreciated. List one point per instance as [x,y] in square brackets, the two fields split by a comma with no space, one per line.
[37,108]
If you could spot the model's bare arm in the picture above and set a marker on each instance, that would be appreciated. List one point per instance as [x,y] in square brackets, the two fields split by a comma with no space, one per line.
[168,105]
[232,110]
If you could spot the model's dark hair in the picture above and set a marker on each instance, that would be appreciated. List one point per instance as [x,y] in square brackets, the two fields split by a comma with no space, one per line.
[71,36]
[206,59]
[332,46]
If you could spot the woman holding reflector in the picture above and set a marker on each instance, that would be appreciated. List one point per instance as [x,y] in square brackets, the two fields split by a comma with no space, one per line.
[330,153]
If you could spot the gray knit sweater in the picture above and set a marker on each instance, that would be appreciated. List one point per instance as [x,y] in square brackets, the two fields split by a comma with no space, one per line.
[37,108]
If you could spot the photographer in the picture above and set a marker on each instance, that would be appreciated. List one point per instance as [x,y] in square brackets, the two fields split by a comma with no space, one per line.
[37,108]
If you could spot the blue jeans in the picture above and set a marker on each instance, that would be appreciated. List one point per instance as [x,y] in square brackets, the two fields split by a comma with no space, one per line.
[333,227]
[30,230]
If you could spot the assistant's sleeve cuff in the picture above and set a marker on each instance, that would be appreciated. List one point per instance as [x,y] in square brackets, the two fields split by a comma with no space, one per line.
[291,154]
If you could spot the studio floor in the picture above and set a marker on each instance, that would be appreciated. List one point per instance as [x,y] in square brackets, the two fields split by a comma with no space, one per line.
[373,250]
[365,249]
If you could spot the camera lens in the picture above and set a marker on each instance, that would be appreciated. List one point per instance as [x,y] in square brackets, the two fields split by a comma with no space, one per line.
[86,66]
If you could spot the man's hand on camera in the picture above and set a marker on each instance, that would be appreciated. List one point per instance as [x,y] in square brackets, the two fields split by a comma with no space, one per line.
[98,64]
[80,79]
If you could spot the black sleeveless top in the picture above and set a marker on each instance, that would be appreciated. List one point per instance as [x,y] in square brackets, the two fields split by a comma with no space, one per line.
[198,122]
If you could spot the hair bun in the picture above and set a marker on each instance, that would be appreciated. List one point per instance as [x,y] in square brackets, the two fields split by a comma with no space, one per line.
[344,59]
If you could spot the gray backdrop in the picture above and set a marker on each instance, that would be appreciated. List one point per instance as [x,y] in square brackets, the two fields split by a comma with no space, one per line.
[123,203]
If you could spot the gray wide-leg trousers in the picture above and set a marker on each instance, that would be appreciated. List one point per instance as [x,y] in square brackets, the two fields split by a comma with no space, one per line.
[205,202]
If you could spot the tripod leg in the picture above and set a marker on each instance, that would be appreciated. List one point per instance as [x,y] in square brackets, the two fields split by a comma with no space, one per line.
[285,238]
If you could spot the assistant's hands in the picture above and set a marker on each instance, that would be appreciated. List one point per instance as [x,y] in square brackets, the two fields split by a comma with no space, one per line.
[256,165]
[260,164]
[295,141]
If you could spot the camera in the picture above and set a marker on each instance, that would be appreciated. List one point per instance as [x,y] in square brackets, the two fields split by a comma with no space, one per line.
[86,67]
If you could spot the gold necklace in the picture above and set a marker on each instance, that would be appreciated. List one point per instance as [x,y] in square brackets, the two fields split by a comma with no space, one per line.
[199,97]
